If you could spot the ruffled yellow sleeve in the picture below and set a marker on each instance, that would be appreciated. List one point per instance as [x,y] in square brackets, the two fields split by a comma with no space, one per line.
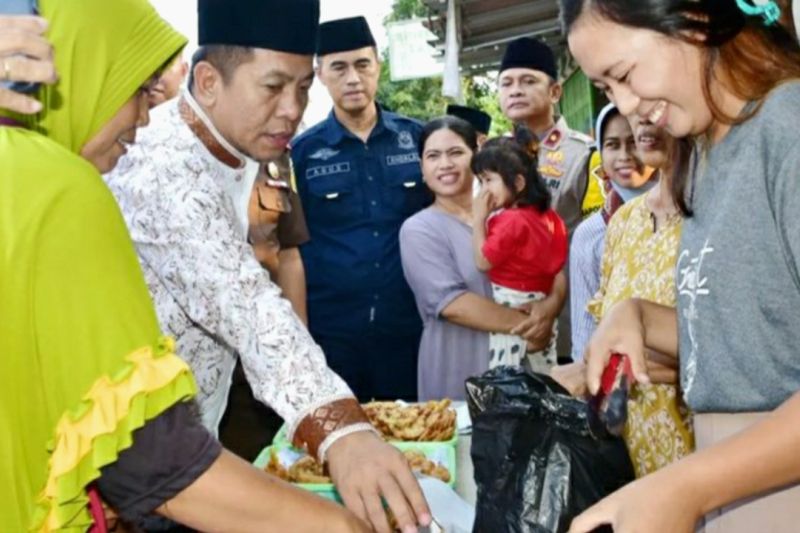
[93,433]
[96,370]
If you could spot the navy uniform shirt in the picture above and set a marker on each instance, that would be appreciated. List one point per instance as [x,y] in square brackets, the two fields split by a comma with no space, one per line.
[356,196]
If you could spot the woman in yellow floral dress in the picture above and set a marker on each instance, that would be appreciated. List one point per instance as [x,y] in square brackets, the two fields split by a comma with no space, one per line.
[639,259]
[639,262]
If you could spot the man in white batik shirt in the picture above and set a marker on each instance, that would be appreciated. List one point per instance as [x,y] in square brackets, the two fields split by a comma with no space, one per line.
[184,189]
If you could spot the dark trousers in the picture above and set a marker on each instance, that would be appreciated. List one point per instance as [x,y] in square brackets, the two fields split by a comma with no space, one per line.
[375,366]
[248,426]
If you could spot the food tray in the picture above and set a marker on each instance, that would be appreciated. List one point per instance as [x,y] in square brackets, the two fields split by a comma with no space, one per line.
[282,440]
[440,453]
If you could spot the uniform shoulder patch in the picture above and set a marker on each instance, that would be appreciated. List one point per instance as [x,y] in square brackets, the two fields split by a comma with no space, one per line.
[405,141]
[581,137]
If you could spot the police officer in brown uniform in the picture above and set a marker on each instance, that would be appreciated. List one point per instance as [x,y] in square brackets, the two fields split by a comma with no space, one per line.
[528,91]
[278,228]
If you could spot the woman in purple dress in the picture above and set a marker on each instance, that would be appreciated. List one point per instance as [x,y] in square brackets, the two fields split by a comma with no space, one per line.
[453,297]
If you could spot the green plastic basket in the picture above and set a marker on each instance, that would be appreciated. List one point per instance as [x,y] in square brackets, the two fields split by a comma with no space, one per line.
[441,453]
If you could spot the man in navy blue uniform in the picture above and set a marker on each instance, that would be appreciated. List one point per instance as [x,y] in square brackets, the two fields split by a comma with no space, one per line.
[358,176]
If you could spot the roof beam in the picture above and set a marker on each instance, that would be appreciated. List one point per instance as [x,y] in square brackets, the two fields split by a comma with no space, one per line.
[535,29]
[528,11]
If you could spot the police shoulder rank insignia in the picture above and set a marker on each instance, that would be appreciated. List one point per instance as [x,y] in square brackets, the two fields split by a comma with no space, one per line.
[405,140]
[553,139]
[582,137]
[324,154]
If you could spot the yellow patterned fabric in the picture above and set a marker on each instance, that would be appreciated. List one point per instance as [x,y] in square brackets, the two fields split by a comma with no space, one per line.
[595,191]
[640,263]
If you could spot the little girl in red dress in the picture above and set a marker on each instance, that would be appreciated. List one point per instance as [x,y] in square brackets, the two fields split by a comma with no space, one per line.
[518,240]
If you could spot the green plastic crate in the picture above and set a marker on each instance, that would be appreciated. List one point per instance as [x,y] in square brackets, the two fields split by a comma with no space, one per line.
[441,453]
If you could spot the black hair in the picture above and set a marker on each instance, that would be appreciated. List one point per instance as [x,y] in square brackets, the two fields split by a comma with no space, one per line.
[613,112]
[511,157]
[223,57]
[168,63]
[746,55]
[749,56]
[680,158]
[163,68]
[717,20]
[459,126]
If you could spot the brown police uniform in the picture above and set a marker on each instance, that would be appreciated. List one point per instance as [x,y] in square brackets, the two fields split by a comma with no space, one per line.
[276,215]
[277,222]
[564,157]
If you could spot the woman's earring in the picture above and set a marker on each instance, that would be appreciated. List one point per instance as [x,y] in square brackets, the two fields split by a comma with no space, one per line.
[769,9]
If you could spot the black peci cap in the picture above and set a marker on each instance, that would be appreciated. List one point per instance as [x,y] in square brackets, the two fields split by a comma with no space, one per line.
[482,122]
[279,25]
[343,35]
[526,52]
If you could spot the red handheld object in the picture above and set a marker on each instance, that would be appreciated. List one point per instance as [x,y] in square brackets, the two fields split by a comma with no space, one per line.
[617,366]
[608,410]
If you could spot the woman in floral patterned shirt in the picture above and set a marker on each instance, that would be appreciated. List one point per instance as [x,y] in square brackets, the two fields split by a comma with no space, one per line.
[639,261]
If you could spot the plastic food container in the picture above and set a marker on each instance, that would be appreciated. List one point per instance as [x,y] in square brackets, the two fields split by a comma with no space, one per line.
[281,439]
[441,453]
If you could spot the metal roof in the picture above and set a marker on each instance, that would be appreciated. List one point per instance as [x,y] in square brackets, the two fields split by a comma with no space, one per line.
[486,26]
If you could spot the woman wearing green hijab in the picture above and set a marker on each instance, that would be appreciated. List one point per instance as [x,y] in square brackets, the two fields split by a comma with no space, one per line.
[91,398]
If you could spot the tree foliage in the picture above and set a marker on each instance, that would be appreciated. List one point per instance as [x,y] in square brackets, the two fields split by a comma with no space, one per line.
[422,98]
[407,9]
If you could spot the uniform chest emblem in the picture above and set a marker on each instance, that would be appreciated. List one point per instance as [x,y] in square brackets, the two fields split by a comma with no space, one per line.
[555,158]
[553,164]
[551,171]
[405,141]
[323,154]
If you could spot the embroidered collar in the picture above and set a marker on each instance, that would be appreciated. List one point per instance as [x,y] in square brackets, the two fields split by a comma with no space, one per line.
[613,202]
[194,117]
[553,137]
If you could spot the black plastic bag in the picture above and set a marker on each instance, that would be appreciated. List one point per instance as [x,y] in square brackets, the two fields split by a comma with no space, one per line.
[537,466]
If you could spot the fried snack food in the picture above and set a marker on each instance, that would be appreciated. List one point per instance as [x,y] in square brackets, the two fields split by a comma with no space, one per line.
[275,467]
[429,422]
[307,470]
[304,470]
[421,464]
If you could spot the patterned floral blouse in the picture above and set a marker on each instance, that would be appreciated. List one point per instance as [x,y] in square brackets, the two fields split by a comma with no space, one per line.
[184,193]
[640,263]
